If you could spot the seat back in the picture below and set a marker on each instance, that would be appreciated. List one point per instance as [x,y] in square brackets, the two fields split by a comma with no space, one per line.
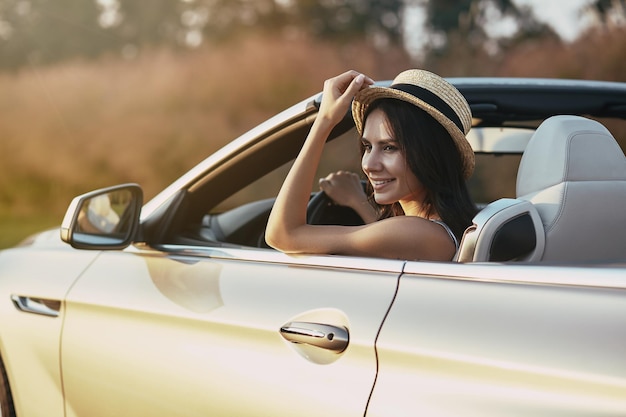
[505,230]
[574,173]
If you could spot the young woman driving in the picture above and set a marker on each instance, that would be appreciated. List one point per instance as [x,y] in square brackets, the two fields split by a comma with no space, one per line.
[415,156]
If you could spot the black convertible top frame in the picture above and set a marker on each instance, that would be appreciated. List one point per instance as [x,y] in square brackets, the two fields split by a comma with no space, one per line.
[505,101]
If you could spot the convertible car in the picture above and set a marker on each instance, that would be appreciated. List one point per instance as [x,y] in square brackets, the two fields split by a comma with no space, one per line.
[179,307]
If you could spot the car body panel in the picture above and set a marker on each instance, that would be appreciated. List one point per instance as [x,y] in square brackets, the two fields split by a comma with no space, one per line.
[32,341]
[156,333]
[182,324]
[511,346]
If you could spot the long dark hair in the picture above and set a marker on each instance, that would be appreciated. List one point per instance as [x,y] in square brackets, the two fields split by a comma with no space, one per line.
[433,158]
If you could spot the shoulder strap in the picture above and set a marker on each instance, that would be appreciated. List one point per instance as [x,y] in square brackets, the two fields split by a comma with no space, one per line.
[445,226]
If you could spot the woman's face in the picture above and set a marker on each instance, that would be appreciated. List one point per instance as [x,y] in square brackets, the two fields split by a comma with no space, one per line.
[385,166]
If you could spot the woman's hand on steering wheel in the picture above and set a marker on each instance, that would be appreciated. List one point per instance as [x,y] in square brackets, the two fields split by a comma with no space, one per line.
[346,189]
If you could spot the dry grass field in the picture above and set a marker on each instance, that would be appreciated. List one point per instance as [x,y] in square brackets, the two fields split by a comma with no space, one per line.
[74,127]
[77,126]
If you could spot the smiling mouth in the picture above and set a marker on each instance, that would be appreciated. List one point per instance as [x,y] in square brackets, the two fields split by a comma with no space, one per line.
[380,183]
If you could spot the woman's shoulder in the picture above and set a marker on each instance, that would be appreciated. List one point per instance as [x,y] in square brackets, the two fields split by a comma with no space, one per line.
[412,235]
[413,224]
[406,221]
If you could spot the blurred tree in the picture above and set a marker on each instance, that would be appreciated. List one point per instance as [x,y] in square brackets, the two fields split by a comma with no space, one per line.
[344,20]
[149,23]
[468,37]
[41,31]
[472,20]
[336,20]
[609,11]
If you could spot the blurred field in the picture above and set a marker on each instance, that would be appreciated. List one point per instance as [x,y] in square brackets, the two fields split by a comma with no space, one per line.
[74,127]
[78,126]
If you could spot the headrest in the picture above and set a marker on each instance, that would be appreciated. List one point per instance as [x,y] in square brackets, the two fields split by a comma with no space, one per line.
[569,148]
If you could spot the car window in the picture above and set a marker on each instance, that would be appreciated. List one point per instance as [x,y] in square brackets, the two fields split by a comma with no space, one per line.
[493,178]
[496,163]
[340,154]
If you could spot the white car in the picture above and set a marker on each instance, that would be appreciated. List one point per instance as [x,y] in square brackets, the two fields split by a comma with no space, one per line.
[178,307]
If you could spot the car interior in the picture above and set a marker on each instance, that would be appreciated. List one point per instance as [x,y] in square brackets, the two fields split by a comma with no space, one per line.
[239,219]
[543,195]
[571,187]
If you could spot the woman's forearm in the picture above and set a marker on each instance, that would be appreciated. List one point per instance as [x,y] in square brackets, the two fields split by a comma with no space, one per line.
[366,211]
[287,221]
[287,229]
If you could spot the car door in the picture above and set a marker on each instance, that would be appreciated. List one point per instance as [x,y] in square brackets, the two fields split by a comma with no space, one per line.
[197,331]
[503,340]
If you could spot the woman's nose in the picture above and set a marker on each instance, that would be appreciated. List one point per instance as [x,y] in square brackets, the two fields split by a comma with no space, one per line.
[370,162]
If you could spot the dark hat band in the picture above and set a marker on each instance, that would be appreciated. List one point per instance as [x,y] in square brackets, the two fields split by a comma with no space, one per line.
[433,100]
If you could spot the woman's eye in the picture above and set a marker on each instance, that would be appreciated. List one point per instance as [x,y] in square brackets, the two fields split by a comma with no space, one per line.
[389,148]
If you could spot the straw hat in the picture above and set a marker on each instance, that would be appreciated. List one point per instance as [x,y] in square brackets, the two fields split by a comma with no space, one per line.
[432,94]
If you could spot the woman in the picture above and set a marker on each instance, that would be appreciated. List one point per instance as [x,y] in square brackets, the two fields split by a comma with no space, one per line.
[415,156]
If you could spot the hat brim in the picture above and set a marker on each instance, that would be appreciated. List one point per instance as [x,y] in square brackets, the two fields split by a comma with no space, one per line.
[368,95]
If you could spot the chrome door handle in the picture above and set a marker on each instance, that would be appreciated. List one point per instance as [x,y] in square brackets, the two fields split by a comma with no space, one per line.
[41,306]
[324,336]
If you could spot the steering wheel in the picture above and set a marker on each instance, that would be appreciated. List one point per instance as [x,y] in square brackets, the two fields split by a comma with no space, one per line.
[322,210]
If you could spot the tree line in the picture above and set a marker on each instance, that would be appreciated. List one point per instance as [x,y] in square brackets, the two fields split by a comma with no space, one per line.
[43,31]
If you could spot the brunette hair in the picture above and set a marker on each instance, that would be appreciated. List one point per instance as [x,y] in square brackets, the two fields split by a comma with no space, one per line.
[433,158]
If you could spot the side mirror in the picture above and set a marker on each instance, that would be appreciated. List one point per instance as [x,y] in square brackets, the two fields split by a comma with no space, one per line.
[103,219]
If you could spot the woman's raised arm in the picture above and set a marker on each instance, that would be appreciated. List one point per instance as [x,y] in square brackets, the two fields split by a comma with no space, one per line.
[287,229]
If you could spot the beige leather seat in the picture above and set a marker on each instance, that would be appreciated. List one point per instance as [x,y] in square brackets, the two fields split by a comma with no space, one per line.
[570,205]
[574,173]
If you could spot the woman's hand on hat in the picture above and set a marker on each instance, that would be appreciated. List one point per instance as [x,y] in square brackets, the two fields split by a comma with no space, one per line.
[339,92]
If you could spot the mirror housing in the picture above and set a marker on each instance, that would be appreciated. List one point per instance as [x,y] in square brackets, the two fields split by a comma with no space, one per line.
[105,219]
